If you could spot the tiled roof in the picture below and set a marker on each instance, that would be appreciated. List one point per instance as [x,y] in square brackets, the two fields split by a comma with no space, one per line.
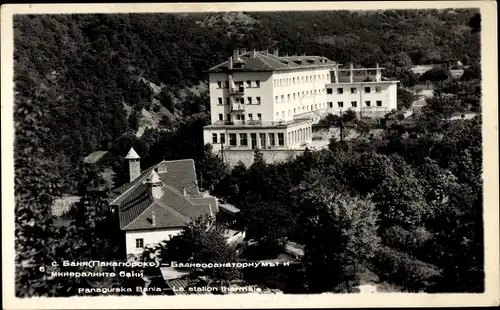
[205,201]
[269,62]
[174,208]
[94,157]
[229,208]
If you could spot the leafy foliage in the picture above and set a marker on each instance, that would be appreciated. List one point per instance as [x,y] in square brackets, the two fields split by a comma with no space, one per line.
[435,74]
[339,236]
[405,99]
[203,241]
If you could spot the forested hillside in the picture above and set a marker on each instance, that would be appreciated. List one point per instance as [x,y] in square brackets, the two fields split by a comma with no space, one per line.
[80,70]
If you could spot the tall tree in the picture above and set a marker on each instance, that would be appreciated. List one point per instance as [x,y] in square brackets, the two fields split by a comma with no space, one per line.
[340,235]
[203,241]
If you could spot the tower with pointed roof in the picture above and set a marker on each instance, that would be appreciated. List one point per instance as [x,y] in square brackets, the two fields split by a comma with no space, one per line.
[134,164]
[155,185]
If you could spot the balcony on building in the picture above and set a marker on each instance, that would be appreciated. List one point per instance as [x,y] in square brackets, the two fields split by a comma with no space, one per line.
[237,107]
[357,75]
[237,91]
[257,123]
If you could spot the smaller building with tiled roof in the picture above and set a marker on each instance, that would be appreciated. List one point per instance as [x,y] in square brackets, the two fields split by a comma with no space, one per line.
[158,202]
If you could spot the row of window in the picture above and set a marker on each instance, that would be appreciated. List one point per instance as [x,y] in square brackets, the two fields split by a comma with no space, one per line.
[298,95]
[354,90]
[243,139]
[354,104]
[249,100]
[301,80]
[240,117]
[302,109]
[248,83]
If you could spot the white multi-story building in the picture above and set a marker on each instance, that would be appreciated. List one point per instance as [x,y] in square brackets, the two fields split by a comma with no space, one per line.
[362,90]
[266,101]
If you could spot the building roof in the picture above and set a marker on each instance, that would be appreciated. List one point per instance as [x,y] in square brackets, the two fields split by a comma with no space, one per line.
[173,209]
[153,177]
[94,157]
[63,204]
[264,61]
[132,154]
[170,273]
[229,208]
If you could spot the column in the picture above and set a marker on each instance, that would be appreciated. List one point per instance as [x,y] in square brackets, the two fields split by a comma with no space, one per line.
[351,73]
[257,136]
[238,139]
[267,139]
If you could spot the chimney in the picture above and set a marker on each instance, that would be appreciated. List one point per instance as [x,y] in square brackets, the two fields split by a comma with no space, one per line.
[378,76]
[252,53]
[276,52]
[351,73]
[265,52]
[134,164]
[153,218]
[243,51]
[230,63]
[155,185]
[236,55]
[184,192]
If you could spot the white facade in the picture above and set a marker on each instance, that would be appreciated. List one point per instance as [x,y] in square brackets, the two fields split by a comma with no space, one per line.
[274,109]
[136,240]
[270,96]
[367,99]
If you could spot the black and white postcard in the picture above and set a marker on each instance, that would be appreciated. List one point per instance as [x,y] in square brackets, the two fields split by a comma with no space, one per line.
[223,155]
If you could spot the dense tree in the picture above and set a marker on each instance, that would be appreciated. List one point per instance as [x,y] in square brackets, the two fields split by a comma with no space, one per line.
[443,106]
[472,72]
[435,74]
[399,67]
[269,223]
[349,116]
[203,241]
[405,99]
[339,237]
[211,169]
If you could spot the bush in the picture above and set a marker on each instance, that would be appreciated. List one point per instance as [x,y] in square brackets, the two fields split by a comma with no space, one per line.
[349,116]
[405,99]
[405,270]
[436,74]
